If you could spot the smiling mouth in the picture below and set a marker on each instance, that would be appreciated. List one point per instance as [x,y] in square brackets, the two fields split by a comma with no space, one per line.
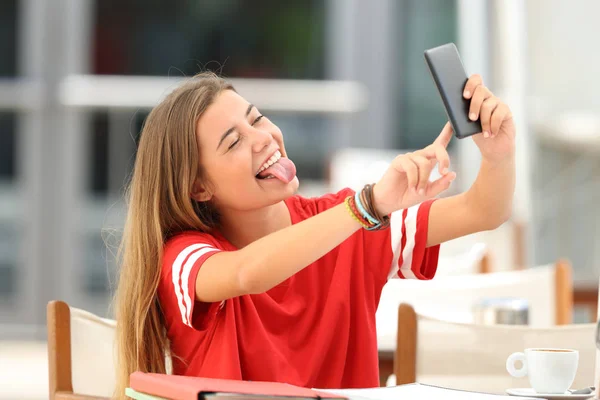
[274,158]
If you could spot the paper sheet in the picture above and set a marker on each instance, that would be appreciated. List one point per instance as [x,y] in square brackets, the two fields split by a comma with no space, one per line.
[414,392]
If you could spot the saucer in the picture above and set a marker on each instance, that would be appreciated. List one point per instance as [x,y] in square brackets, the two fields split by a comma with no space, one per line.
[529,392]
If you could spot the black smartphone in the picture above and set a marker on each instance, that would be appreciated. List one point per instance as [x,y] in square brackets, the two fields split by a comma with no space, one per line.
[450,77]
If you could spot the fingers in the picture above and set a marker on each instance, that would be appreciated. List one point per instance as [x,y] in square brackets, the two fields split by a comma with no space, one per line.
[500,114]
[406,165]
[443,159]
[440,154]
[424,167]
[417,168]
[485,114]
[485,106]
[437,187]
[473,81]
[445,136]
[437,150]
[479,96]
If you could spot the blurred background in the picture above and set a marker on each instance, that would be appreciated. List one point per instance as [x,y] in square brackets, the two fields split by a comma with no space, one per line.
[346,82]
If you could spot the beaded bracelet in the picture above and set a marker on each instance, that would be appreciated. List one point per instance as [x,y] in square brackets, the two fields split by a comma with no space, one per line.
[361,208]
[358,214]
[356,217]
[383,219]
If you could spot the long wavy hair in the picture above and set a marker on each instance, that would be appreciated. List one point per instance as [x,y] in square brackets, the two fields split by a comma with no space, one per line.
[159,205]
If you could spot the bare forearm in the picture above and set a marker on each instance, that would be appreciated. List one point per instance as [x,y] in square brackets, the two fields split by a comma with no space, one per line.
[486,205]
[274,258]
[490,197]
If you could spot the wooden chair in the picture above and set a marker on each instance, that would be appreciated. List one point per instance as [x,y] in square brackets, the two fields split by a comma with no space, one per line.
[473,357]
[585,298]
[80,354]
[548,290]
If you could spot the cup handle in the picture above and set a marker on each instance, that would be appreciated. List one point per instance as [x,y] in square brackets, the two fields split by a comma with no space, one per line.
[510,365]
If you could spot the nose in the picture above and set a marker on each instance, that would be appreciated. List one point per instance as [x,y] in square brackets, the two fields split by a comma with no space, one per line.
[260,139]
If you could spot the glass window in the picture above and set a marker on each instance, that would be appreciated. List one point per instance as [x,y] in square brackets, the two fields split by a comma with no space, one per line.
[8,38]
[7,146]
[98,172]
[276,39]
[9,233]
[9,239]
[104,215]
[423,24]
[101,247]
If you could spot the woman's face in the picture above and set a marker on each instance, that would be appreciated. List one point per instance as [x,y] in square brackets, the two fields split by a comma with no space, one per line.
[236,144]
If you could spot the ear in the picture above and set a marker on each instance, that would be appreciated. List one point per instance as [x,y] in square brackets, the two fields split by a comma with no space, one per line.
[200,193]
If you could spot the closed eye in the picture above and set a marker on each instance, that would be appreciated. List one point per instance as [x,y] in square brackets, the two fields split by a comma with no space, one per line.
[232,145]
[257,119]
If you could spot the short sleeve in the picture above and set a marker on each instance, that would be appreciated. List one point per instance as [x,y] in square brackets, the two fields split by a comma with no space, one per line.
[408,234]
[303,208]
[183,257]
[401,251]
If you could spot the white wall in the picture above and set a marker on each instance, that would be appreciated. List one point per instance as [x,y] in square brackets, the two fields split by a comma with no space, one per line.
[564,46]
[564,77]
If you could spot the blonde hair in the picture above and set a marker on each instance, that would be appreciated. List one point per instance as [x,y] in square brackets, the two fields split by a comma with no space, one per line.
[159,206]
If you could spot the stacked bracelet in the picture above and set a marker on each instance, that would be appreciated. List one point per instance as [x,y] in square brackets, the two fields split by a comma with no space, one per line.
[361,207]
[384,220]
[355,214]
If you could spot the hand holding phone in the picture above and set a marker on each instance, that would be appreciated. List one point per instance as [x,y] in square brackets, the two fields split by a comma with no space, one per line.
[450,77]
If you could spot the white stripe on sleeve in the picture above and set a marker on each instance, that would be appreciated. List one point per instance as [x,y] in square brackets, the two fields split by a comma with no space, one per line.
[407,253]
[396,234]
[403,253]
[185,277]
[176,272]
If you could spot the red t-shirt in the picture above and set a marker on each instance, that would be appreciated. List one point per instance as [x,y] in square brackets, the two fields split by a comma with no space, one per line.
[317,328]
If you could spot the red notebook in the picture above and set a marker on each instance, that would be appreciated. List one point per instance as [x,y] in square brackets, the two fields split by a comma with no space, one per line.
[192,388]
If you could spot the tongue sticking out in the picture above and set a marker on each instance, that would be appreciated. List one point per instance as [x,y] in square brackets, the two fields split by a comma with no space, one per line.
[284,170]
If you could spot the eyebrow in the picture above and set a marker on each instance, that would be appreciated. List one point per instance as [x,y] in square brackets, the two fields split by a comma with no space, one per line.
[230,130]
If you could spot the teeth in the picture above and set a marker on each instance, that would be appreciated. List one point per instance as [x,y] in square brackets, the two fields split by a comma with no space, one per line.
[270,162]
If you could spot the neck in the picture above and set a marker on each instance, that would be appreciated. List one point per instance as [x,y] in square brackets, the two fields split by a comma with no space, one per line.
[241,228]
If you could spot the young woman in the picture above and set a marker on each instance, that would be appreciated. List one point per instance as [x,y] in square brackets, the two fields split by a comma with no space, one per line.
[237,277]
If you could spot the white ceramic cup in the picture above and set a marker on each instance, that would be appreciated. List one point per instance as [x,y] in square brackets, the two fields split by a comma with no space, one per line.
[549,370]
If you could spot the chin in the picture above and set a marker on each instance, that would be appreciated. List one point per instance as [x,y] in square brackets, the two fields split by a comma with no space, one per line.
[294,184]
[290,189]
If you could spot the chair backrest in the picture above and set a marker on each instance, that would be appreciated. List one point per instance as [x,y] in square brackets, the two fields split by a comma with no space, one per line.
[473,357]
[467,259]
[81,354]
[548,290]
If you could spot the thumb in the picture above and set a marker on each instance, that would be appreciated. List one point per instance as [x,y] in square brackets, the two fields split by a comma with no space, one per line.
[440,185]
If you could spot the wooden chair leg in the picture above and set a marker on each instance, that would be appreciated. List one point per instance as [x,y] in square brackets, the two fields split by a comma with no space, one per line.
[405,361]
[59,348]
[564,292]
[485,265]
[587,299]
[72,396]
[386,368]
